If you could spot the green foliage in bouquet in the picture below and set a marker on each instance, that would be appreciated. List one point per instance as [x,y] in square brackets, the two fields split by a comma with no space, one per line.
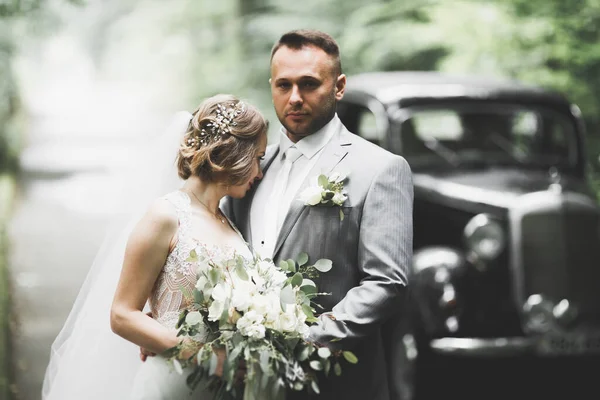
[259,314]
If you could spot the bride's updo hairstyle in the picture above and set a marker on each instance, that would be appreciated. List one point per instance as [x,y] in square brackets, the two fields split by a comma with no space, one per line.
[222,141]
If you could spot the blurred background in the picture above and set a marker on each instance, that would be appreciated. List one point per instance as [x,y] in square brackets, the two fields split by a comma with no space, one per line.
[82,83]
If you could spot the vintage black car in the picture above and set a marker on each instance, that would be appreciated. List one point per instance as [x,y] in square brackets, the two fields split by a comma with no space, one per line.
[506,228]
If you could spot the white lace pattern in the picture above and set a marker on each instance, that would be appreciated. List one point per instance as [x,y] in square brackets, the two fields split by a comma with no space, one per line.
[173,289]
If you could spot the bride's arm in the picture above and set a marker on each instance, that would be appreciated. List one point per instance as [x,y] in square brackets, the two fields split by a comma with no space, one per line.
[145,255]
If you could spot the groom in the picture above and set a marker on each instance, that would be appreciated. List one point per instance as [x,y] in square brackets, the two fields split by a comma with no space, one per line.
[370,246]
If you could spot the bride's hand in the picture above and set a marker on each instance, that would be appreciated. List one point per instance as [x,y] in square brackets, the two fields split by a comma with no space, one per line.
[144,354]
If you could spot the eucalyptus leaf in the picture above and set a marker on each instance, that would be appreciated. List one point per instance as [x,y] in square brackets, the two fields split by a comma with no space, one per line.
[323,265]
[214,361]
[323,181]
[308,289]
[241,271]
[308,311]
[315,387]
[302,259]
[182,317]
[287,295]
[292,265]
[341,215]
[350,357]
[193,318]
[316,365]
[324,352]
[235,353]
[337,369]
[284,266]
[213,276]
[297,279]
[193,256]
[264,361]
[326,367]
[198,296]
[306,282]
[303,354]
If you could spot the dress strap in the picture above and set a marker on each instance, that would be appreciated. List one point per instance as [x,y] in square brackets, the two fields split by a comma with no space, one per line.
[183,207]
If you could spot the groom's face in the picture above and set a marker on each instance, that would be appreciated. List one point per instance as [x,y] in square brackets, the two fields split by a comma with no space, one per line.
[305,88]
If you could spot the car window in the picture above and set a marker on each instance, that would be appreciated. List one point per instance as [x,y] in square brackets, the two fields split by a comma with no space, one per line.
[503,132]
[440,125]
[360,120]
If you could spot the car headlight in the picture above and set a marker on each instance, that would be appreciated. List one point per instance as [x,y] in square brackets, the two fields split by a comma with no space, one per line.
[485,236]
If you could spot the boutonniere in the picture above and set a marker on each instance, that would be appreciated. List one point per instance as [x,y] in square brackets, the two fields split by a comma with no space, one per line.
[328,191]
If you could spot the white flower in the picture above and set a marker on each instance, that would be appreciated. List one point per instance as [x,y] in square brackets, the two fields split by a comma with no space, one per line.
[311,195]
[204,286]
[220,294]
[242,295]
[326,190]
[215,310]
[288,320]
[339,198]
[278,277]
[250,324]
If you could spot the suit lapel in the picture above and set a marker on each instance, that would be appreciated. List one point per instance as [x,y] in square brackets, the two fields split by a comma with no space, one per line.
[332,154]
[245,204]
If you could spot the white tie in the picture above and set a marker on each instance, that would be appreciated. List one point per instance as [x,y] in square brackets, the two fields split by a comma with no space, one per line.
[273,207]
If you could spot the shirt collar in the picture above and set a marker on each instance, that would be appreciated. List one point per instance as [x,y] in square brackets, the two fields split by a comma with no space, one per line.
[311,144]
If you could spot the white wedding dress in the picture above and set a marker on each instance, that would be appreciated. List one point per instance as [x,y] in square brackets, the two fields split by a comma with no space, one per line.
[87,360]
[156,379]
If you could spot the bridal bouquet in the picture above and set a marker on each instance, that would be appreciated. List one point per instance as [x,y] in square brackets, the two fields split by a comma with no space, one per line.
[259,313]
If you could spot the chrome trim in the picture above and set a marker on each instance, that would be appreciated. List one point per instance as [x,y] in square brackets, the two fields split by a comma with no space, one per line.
[466,193]
[526,204]
[482,221]
[483,347]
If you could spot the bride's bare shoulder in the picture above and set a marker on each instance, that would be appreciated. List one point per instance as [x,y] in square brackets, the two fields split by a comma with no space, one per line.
[162,214]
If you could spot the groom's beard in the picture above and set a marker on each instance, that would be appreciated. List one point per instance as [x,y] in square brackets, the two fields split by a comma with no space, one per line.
[319,120]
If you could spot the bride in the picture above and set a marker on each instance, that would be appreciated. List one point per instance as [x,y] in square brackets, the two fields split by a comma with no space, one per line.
[95,356]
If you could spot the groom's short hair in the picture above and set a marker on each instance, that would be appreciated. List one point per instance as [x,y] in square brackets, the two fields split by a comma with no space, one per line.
[300,38]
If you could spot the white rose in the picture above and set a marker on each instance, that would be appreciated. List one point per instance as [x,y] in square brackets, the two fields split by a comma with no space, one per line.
[339,198]
[278,277]
[311,195]
[250,324]
[259,281]
[260,304]
[215,310]
[201,283]
[241,298]
[221,292]
[204,286]
[274,306]
[288,320]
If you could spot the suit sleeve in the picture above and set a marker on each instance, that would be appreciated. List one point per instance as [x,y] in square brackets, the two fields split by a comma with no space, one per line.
[384,258]
[226,205]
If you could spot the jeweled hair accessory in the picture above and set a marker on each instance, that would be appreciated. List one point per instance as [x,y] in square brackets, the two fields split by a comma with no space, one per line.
[213,131]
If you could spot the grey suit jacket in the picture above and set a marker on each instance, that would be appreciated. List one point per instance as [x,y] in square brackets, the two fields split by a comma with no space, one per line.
[371,250]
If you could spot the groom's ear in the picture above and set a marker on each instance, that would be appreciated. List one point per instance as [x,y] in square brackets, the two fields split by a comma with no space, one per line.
[340,87]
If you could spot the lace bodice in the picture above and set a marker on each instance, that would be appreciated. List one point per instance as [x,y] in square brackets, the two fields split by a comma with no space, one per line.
[173,288]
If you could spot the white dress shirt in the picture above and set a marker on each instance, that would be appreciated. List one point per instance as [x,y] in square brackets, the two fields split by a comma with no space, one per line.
[311,147]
